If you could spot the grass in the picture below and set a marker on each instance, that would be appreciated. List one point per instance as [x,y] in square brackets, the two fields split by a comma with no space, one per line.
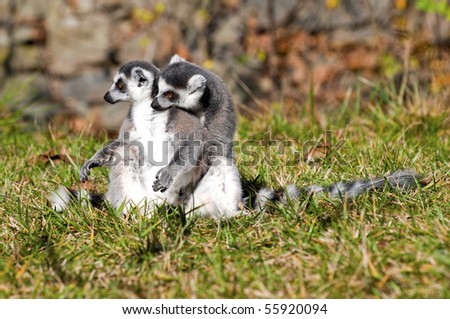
[380,245]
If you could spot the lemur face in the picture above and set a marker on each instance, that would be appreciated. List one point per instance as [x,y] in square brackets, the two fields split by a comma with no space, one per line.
[181,85]
[135,81]
[118,91]
[187,98]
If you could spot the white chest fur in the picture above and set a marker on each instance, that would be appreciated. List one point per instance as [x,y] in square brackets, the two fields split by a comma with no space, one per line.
[154,143]
[151,135]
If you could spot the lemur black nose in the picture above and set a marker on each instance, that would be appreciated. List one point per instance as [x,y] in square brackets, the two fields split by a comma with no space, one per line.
[108,98]
[155,105]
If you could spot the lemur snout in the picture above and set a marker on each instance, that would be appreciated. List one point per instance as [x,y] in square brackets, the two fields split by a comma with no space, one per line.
[108,98]
[156,106]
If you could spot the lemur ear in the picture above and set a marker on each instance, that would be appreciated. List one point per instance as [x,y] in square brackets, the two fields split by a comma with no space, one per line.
[196,83]
[176,58]
[139,76]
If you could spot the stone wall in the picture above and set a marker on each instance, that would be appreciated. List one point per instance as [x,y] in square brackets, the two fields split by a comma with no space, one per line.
[61,55]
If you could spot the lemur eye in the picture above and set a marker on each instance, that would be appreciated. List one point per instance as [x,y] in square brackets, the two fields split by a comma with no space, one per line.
[120,86]
[170,95]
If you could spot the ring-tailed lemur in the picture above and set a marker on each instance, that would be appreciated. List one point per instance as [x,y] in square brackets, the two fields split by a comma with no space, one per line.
[191,122]
[204,96]
[189,87]
[135,82]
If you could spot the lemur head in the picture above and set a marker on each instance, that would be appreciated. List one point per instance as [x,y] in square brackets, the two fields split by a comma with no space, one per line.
[181,84]
[136,80]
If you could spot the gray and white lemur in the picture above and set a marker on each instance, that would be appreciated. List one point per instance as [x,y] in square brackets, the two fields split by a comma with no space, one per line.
[181,146]
[189,87]
[135,82]
[206,141]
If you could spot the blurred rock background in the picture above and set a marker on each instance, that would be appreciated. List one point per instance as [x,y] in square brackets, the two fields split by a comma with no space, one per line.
[57,57]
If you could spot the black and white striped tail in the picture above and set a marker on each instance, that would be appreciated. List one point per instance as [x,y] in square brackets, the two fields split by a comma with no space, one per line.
[400,180]
[63,197]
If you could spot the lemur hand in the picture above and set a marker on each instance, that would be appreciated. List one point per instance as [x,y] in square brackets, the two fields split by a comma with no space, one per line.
[86,169]
[163,180]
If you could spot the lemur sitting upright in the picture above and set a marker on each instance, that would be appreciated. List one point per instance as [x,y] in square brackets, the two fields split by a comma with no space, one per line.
[188,126]
[204,96]
[135,82]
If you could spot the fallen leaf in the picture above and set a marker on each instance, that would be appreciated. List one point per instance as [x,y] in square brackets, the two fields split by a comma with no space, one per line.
[50,155]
